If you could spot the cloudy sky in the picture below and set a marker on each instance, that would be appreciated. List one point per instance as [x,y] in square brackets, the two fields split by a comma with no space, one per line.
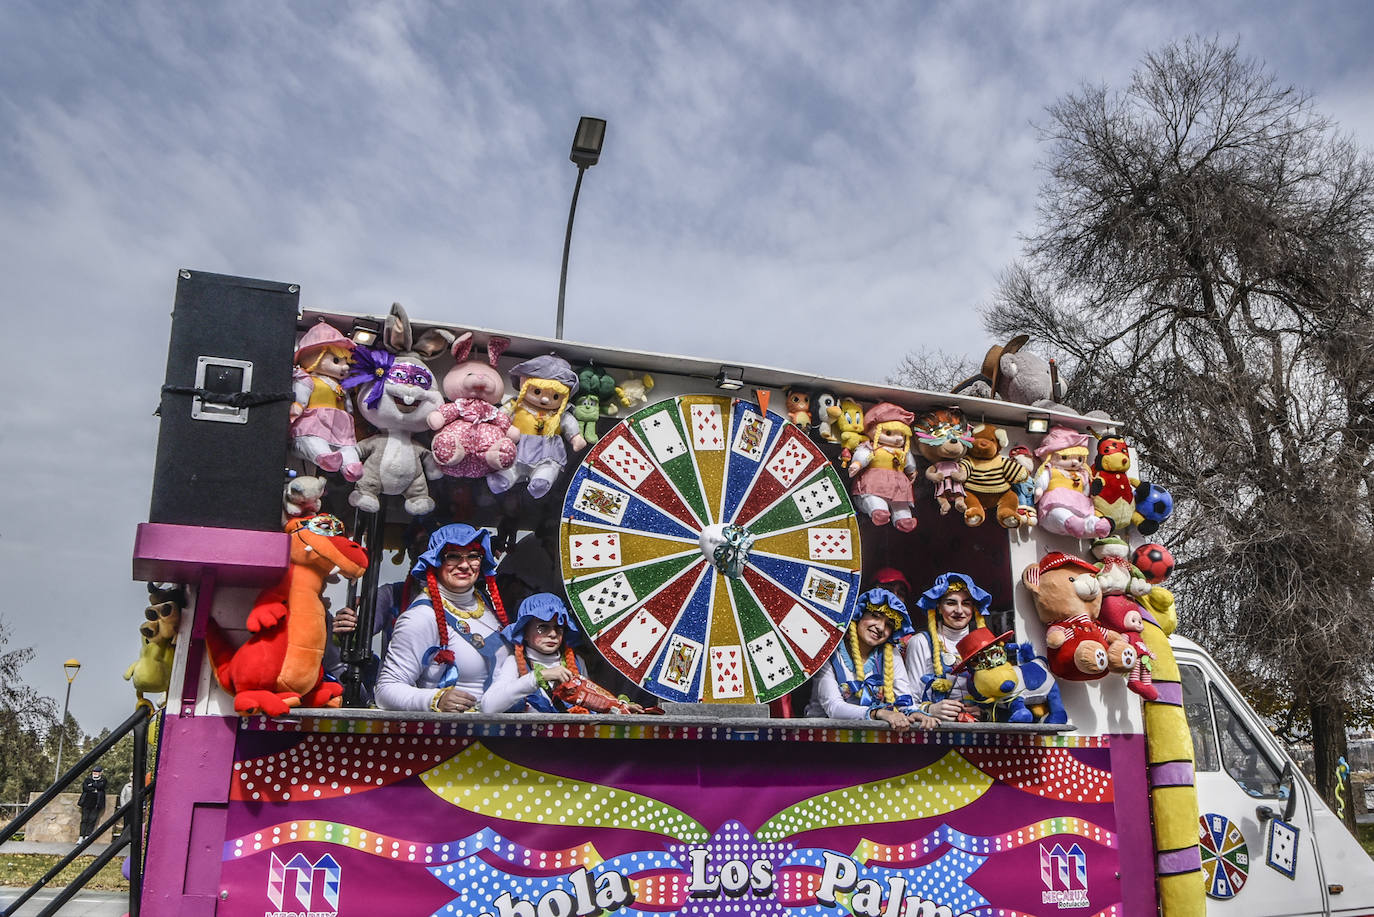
[821,186]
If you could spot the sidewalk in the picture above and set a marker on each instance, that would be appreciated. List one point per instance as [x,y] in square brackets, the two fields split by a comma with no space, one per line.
[83,904]
[57,849]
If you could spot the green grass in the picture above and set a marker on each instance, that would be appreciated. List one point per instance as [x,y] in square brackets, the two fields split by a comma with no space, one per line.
[1366,835]
[23,869]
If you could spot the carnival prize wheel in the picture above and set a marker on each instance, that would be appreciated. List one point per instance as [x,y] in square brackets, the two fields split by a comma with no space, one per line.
[710,551]
[1225,856]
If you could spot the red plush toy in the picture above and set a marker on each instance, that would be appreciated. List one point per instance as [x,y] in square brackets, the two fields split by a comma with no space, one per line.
[281,665]
[1068,600]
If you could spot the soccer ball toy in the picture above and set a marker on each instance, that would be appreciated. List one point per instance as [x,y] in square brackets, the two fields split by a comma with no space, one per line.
[1155,561]
[1154,504]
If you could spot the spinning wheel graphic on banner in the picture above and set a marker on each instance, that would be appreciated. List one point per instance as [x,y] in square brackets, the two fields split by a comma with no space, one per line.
[710,551]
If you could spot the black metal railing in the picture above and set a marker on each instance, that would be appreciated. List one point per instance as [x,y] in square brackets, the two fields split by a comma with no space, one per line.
[131,812]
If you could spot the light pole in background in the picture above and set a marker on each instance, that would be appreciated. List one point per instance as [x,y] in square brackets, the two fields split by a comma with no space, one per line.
[71,667]
[586,150]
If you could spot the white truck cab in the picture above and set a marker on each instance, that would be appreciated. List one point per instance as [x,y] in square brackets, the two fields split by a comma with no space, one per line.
[1271,846]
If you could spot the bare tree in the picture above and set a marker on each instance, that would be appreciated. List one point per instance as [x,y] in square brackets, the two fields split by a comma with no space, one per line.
[1203,265]
[933,370]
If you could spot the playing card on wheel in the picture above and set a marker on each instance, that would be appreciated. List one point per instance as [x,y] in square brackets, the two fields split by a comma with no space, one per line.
[772,663]
[638,640]
[708,431]
[727,671]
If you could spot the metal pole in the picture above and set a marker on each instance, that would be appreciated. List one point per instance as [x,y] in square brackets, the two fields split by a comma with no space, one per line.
[567,245]
[357,649]
[133,820]
[62,732]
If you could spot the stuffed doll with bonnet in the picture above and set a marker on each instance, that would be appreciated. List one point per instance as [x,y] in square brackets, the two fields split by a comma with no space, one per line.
[321,417]
[544,387]
[1062,485]
[885,467]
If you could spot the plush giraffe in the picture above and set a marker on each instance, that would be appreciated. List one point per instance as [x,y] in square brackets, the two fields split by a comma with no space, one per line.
[281,665]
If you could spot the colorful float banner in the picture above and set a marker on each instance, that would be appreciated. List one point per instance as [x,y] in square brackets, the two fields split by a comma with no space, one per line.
[355,824]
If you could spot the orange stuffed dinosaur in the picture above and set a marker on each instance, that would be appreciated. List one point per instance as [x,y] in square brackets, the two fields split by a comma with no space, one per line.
[281,665]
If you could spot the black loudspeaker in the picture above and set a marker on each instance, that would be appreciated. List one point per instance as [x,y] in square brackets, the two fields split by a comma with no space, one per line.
[226,404]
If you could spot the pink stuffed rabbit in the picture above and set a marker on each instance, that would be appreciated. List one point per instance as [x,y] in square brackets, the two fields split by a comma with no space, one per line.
[475,436]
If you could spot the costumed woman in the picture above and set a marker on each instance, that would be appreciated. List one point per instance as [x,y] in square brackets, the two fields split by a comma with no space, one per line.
[866,677]
[447,642]
[953,605]
[542,640]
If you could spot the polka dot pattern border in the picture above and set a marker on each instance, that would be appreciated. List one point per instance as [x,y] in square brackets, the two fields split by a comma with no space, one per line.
[948,784]
[485,783]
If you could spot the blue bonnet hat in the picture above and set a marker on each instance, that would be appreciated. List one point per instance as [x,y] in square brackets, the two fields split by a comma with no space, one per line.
[878,597]
[459,535]
[930,599]
[543,606]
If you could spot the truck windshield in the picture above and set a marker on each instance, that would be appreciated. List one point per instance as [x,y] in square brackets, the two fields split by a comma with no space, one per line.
[1222,740]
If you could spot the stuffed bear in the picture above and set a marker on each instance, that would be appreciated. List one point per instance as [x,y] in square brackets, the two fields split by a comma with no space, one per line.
[1068,600]
[991,477]
[303,495]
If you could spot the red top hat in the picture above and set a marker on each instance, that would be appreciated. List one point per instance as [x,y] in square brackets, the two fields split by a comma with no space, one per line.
[978,639]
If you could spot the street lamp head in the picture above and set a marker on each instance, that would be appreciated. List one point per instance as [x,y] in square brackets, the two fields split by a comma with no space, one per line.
[586,145]
[71,667]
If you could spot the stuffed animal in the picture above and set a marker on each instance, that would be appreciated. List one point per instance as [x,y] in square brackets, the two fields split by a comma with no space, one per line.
[798,406]
[1013,691]
[586,410]
[281,665]
[848,420]
[1113,489]
[303,495]
[321,417]
[634,390]
[1115,572]
[396,394]
[1025,488]
[1068,600]
[1122,615]
[1160,603]
[1062,484]
[544,387]
[592,380]
[885,467]
[990,477]
[943,439]
[474,436]
[151,673]
[821,403]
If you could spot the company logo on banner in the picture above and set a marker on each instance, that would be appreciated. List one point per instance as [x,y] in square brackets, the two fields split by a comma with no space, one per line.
[300,888]
[1065,876]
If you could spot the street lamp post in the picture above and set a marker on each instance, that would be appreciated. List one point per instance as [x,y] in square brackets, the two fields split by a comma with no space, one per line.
[586,150]
[70,667]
